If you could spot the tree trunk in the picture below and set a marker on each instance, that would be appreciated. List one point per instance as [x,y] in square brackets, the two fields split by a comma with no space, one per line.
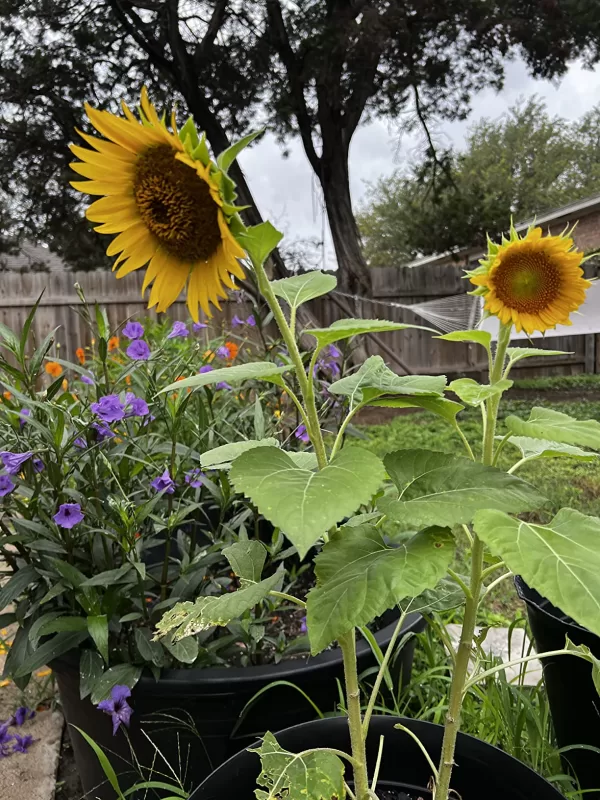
[335,182]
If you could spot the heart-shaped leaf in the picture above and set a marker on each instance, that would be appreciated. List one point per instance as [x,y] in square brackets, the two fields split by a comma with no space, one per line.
[259,241]
[302,288]
[303,503]
[517,353]
[441,489]
[447,409]
[346,328]
[375,378]
[473,393]
[255,370]
[542,448]
[223,456]
[544,423]
[560,560]
[360,577]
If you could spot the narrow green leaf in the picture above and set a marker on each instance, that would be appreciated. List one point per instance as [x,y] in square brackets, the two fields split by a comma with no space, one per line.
[228,156]
[255,370]
[107,768]
[27,326]
[187,619]
[441,489]
[91,668]
[247,559]
[346,328]
[317,776]
[223,456]
[98,630]
[119,675]
[184,650]
[474,394]
[300,289]
[53,648]
[108,578]
[259,420]
[305,504]
[17,584]
[544,423]
[71,575]
[40,354]
[560,560]
[360,577]
[542,448]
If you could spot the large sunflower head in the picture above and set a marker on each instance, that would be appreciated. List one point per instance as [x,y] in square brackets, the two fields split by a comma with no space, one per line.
[533,282]
[171,206]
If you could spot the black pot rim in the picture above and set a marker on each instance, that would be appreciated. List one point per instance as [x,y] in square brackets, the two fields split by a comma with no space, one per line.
[285,670]
[528,595]
[476,746]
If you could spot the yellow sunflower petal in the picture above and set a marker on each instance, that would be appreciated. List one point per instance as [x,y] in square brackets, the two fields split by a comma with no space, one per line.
[106,207]
[105,150]
[128,239]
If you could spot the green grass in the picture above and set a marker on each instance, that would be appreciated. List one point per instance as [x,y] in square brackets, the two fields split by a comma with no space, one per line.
[561,383]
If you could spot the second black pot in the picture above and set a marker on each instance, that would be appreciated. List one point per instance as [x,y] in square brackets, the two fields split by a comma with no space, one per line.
[482,772]
[212,699]
[573,698]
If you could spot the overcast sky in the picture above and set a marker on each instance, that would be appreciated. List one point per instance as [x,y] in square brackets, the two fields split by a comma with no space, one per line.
[286,189]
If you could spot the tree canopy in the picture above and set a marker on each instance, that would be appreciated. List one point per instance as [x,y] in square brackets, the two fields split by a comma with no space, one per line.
[520,164]
[314,69]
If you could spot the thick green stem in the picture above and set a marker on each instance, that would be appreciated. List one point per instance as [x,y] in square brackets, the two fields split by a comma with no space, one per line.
[313,427]
[463,653]
[357,740]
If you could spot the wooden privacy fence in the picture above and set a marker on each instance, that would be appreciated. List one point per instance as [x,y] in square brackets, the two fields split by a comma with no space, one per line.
[417,350]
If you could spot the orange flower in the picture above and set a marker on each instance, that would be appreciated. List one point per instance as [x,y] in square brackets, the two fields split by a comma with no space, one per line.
[65,384]
[113,343]
[80,353]
[54,369]
[208,355]
[180,378]
[6,395]
[232,349]
[128,380]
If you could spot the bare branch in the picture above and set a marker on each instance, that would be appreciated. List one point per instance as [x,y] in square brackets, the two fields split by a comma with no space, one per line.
[137,29]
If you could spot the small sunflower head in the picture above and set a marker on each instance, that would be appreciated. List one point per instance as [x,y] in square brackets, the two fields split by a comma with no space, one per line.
[172,207]
[533,282]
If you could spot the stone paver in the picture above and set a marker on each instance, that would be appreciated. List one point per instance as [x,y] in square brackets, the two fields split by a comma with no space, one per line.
[497,643]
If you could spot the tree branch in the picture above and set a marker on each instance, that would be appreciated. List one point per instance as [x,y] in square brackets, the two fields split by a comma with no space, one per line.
[134,25]
[214,25]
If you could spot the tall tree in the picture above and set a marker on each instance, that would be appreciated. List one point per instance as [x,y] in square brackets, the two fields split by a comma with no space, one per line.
[312,68]
[519,165]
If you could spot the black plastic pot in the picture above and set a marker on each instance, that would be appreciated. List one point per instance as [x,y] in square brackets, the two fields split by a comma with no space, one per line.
[574,700]
[212,699]
[481,771]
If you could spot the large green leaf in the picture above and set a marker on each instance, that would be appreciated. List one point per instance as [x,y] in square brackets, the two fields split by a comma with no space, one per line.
[560,560]
[222,457]
[16,584]
[91,667]
[302,288]
[346,328]
[360,577]
[483,338]
[119,675]
[254,370]
[303,503]
[186,619]
[542,448]
[53,648]
[259,241]
[473,393]
[98,630]
[447,409]
[375,378]
[247,559]
[442,489]
[517,353]
[317,776]
[544,423]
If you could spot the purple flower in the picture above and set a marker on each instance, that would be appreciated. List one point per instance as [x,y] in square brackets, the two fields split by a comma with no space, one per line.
[205,368]
[68,515]
[195,478]
[24,413]
[164,483]
[327,362]
[102,431]
[138,350]
[147,420]
[109,408]
[302,434]
[87,379]
[334,352]
[7,485]
[21,715]
[303,628]
[133,330]
[118,707]
[22,742]
[80,442]
[5,739]
[178,329]
[38,465]
[14,461]
[139,407]
[236,321]
[222,352]
[198,326]
[223,385]
[251,321]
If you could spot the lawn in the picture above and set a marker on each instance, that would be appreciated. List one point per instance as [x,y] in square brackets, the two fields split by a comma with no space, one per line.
[565,481]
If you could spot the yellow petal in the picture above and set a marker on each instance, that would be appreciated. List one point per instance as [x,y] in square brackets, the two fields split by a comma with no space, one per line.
[159,262]
[106,150]
[102,187]
[128,239]
[110,206]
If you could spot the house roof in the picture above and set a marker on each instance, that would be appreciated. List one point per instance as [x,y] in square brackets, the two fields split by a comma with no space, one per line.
[30,257]
[580,207]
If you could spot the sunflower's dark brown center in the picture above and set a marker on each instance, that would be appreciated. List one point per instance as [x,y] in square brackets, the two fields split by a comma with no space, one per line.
[176,205]
[527,281]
